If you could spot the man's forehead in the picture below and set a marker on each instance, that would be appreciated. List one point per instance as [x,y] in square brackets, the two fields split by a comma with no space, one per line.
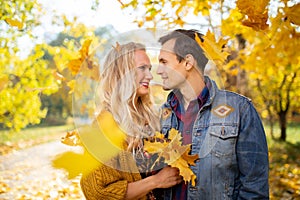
[168,46]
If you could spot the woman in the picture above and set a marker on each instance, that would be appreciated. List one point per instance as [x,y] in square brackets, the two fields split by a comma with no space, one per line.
[124,86]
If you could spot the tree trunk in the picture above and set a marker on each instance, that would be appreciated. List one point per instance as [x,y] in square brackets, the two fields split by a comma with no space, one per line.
[272,129]
[283,122]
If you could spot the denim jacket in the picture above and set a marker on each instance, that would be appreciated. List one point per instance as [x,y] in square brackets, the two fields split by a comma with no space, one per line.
[230,140]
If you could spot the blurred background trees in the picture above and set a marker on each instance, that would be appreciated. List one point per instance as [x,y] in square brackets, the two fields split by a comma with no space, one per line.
[38,74]
[262,38]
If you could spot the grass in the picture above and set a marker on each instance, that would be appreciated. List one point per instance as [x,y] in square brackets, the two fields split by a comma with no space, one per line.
[10,141]
[32,133]
[293,131]
[284,159]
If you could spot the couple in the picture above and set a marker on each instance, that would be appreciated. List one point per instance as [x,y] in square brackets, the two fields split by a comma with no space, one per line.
[223,127]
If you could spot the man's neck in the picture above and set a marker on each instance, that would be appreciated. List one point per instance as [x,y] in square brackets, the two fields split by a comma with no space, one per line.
[192,88]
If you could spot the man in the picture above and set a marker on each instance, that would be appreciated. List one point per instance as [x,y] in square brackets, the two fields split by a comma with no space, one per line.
[223,127]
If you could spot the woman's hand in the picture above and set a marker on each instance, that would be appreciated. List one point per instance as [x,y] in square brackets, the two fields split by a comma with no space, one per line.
[167,177]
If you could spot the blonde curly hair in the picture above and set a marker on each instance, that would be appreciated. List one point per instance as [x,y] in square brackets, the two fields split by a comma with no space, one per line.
[117,94]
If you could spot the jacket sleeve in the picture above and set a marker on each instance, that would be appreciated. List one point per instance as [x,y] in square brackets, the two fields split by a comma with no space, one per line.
[252,156]
[103,183]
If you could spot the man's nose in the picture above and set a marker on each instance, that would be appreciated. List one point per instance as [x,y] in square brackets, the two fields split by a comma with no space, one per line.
[159,69]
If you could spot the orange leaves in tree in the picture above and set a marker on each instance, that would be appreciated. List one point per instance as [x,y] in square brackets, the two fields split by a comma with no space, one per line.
[255,13]
[173,152]
[214,50]
[84,63]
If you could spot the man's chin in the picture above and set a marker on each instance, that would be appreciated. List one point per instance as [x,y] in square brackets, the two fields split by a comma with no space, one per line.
[166,88]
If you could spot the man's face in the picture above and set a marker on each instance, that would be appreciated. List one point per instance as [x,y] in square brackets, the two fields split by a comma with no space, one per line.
[171,71]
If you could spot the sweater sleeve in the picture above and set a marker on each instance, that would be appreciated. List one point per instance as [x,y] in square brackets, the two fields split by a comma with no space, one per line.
[104,183]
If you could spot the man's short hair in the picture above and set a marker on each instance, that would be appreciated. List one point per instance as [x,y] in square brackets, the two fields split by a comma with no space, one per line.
[185,43]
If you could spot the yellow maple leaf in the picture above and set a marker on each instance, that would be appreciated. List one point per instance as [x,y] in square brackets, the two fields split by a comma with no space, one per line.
[259,22]
[75,65]
[75,163]
[84,63]
[184,162]
[173,153]
[104,138]
[71,138]
[84,51]
[293,14]
[214,50]
[111,129]
[255,13]
[100,142]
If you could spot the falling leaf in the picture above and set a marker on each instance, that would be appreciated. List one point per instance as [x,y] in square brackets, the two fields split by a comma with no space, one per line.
[74,65]
[71,138]
[84,63]
[111,129]
[173,153]
[257,23]
[213,50]
[100,142]
[14,22]
[75,163]
[293,14]
[256,13]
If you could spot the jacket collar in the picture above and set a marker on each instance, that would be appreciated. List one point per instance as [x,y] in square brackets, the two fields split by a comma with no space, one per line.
[212,87]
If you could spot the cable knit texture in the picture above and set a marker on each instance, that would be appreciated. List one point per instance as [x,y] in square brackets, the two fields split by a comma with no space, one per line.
[109,181]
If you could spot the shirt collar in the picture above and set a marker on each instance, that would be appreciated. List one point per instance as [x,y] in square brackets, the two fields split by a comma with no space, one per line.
[175,97]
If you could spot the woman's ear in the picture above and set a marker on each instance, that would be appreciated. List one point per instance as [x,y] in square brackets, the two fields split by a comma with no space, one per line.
[189,62]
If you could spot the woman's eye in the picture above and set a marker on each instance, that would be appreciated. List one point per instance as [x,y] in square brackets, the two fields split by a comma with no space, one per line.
[142,67]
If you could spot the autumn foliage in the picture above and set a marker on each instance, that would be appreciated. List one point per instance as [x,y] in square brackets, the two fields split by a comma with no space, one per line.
[254,45]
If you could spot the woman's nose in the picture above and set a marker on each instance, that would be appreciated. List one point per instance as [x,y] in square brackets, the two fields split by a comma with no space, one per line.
[149,75]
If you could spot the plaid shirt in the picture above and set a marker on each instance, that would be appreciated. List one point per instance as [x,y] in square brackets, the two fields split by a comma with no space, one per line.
[186,121]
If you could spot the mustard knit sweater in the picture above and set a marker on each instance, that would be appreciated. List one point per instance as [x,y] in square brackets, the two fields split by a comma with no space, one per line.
[109,181]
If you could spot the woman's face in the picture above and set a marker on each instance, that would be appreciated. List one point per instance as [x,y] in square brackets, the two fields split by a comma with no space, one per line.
[143,75]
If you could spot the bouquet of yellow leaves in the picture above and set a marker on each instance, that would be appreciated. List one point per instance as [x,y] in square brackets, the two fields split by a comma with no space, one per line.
[173,153]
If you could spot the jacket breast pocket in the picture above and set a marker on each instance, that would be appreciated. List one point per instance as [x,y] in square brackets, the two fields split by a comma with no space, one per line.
[223,139]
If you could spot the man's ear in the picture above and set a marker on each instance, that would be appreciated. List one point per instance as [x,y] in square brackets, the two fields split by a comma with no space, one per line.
[189,62]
